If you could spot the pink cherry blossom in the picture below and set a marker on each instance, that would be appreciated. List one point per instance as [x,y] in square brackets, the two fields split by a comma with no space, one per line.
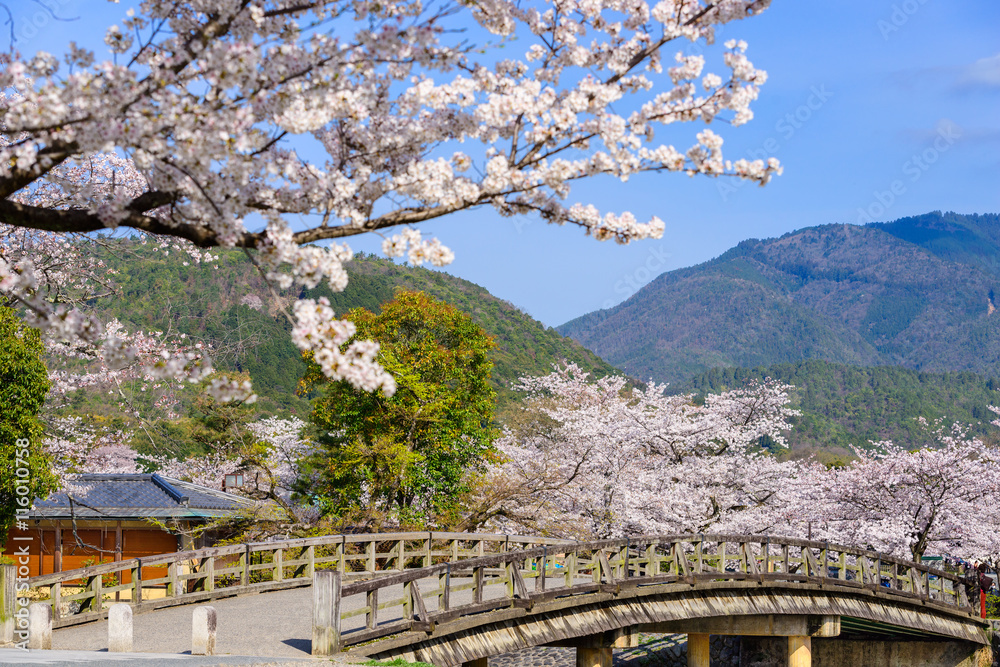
[273,125]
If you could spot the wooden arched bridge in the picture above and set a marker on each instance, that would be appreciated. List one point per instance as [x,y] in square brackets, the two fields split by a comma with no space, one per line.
[454,598]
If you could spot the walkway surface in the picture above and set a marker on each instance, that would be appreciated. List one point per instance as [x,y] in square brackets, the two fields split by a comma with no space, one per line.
[57,658]
[276,624]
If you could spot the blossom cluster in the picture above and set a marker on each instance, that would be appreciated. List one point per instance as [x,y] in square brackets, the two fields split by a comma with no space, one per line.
[601,458]
[213,115]
[269,462]
[624,460]
[318,331]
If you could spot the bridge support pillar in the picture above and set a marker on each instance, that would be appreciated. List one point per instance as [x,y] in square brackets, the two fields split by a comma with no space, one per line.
[800,651]
[593,657]
[698,649]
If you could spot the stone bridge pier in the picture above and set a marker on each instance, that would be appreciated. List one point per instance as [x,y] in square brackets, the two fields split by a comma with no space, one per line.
[797,630]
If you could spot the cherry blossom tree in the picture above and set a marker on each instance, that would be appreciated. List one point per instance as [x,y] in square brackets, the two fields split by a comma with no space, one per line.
[939,497]
[203,125]
[74,446]
[600,458]
[268,456]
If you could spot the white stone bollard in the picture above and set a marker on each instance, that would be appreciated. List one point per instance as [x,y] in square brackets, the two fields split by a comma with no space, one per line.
[203,624]
[8,603]
[40,625]
[120,628]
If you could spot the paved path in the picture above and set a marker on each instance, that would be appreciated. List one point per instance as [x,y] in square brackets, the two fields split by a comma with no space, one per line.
[272,624]
[277,624]
[57,658]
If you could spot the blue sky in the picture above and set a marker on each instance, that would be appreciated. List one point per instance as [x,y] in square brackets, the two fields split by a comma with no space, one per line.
[877,109]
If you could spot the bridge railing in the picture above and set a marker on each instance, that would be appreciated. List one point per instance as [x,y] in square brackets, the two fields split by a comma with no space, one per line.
[421,598]
[82,595]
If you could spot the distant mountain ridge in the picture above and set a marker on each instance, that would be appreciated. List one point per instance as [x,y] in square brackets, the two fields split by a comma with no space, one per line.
[164,292]
[844,405]
[917,292]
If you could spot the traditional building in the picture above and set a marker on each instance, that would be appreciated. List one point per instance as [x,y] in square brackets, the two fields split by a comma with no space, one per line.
[114,517]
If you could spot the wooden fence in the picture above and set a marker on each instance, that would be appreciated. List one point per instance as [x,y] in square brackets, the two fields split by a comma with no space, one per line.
[82,595]
[421,598]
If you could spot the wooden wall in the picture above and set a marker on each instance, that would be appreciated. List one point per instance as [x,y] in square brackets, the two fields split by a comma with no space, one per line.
[138,541]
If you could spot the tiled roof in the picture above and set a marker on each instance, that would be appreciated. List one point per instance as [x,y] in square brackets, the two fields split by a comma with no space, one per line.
[97,496]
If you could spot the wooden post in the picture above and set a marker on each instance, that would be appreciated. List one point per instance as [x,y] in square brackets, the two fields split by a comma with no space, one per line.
[118,542]
[799,652]
[407,601]
[371,617]
[593,657]
[97,587]
[428,561]
[57,554]
[698,650]
[8,602]
[477,584]
[209,581]
[172,582]
[137,582]
[444,589]
[371,557]
[326,613]
[478,662]
[118,555]
[279,565]
[56,594]
[245,566]
[310,561]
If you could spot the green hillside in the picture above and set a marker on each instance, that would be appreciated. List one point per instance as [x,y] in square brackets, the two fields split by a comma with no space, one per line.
[917,293]
[203,301]
[843,405]
[969,239]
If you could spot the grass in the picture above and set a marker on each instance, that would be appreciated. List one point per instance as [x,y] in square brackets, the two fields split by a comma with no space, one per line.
[398,662]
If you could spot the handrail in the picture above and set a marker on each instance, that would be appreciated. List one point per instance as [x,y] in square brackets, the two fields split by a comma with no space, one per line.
[611,566]
[78,596]
[489,560]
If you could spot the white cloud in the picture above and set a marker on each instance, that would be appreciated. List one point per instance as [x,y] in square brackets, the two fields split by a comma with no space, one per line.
[983,72]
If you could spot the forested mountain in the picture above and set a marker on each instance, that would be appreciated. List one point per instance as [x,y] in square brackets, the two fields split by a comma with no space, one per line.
[917,292]
[169,292]
[845,405]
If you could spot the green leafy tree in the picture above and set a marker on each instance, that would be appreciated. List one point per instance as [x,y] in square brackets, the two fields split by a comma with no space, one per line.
[408,457]
[23,385]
